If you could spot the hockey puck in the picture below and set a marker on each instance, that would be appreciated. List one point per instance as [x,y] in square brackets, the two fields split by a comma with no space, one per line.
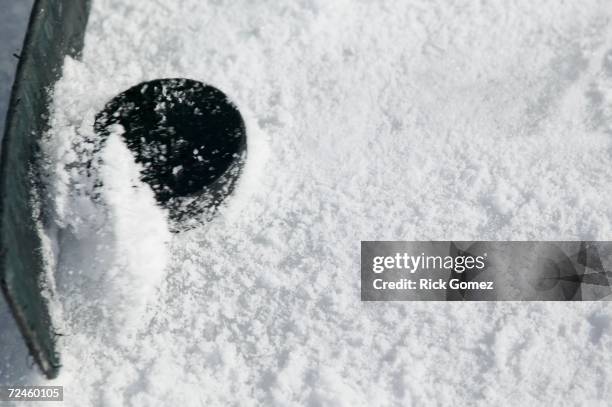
[189,139]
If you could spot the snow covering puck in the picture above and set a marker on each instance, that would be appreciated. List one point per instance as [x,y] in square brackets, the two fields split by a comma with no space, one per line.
[189,139]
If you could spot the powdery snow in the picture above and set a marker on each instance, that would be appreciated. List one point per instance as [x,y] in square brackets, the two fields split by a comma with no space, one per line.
[366,120]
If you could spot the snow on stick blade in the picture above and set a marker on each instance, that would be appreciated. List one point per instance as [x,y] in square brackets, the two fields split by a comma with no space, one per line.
[56,29]
[189,138]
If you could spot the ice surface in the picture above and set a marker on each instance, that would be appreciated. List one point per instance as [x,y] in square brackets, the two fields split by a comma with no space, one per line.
[13,22]
[366,120]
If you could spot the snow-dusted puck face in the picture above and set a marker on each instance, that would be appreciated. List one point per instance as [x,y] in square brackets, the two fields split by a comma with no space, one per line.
[188,137]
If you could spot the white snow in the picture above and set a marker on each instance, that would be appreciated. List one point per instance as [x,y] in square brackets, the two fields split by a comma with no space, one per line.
[377,120]
[139,255]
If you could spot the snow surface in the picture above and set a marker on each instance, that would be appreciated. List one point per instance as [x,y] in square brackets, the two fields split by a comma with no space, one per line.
[379,120]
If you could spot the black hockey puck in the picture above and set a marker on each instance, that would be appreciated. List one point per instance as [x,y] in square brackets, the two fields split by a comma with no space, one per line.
[189,138]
